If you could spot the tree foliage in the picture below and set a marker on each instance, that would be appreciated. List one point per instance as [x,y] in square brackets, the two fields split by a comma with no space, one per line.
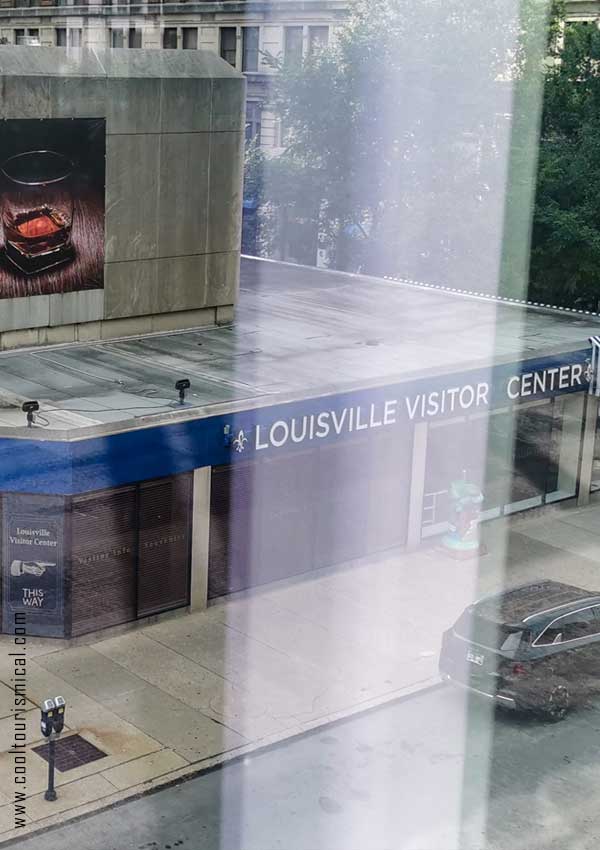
[386,130]
[411,142]
[565,256]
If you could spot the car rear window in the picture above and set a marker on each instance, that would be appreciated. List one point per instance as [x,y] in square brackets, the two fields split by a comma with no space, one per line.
[487,632]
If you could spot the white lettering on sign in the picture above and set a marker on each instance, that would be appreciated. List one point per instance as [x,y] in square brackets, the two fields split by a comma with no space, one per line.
[545,381]
[33,598]
[32,537]
[313,426]
[323,426]
[423,405]
[389,412]
[431,404]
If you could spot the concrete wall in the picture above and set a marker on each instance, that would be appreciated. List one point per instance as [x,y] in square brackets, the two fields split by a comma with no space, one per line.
[174,173]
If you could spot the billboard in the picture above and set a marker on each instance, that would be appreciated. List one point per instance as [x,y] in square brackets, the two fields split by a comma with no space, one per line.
[33,564]
[52,175]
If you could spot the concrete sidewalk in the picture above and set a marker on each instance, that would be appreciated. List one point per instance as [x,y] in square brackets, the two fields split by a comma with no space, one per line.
[170,698]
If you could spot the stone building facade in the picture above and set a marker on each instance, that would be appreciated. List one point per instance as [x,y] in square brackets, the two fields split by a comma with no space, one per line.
[240,31]
[168,245]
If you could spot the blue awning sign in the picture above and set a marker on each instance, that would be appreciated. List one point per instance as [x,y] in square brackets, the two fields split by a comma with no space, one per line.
[88,464]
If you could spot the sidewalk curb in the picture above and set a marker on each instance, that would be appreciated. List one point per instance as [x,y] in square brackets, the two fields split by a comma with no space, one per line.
[215,763]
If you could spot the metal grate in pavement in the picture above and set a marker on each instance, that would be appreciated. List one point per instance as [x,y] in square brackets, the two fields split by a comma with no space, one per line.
[71,752]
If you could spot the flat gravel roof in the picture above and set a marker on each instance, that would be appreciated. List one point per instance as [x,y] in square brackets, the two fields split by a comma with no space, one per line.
[298,332]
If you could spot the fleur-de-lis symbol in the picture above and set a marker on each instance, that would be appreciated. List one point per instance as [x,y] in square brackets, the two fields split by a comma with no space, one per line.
[588,371]
[240,441]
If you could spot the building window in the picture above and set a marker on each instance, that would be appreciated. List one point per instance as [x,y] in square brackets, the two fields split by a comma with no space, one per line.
[170,38]
[61,36]
[293,45]
[134,38]
[283,133]
[318,38]
[253,121]
[27,36]
[117,38]
[228,46]
[249,48]
[75,37]
[190,38]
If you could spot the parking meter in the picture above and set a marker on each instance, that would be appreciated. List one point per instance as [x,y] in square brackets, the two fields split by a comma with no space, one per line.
[48,709]
[59,714]
[53,722]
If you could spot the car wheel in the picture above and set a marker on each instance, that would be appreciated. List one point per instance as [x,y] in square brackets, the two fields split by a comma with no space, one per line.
[558,703]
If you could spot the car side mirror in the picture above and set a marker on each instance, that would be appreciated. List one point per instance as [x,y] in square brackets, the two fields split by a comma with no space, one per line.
[558,638]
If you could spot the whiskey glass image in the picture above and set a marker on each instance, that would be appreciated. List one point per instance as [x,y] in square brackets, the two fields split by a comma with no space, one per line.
[38,210]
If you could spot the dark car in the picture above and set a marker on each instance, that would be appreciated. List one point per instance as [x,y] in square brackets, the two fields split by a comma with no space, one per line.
[534,647]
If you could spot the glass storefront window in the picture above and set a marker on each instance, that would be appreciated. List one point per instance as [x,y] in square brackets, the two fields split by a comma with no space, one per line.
[456,450]
[520,458]
[529,458]
[566,436]
[595,483]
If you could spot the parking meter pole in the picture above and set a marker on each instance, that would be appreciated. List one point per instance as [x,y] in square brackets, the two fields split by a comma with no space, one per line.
[51,793]
[52,724]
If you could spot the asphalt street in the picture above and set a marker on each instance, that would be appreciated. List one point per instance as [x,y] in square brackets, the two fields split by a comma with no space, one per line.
[437,771]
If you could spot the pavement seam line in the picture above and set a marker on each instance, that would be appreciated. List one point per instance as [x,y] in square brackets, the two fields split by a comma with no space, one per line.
[149,684]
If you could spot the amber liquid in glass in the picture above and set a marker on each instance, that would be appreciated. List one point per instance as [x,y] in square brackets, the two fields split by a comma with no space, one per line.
[39,231]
